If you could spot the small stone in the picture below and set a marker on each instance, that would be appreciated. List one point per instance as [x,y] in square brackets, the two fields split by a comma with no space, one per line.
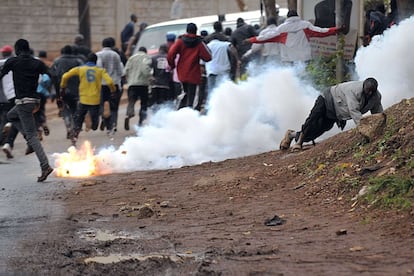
[165,204]
[341,232]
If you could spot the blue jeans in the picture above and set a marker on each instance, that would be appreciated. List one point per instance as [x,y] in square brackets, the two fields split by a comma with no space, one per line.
[21,116]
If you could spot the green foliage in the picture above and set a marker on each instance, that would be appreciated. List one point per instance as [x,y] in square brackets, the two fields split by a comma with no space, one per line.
[322,71]
[391,192]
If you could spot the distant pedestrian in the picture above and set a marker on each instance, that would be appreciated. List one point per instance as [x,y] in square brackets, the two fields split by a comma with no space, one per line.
[293,36]
[67,103]
[133,40]
[138,75]
[111,62]
[80,49]
[26,70]
[239,39]
[267,52]
[175,85]
[160,85]
[90,77]
[191,50]
[127,32]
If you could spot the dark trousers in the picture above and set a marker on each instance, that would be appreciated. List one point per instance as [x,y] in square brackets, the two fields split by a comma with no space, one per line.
[317,122]
[160,95]
[136,92]
[70,105]
[4,109]
[81,113]
[190,90]
[113,99]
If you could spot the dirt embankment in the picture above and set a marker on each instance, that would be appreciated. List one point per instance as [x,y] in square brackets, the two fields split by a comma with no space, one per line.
[210,219]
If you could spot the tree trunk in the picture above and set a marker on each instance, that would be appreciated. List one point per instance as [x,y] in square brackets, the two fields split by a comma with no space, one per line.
[270,8]
[292,4]
[84,21]
[242,5]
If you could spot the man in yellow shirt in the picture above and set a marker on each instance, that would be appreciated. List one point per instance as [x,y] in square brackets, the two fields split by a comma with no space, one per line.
[90,81]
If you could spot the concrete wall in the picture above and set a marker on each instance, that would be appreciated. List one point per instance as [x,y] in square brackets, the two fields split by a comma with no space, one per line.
[51,24]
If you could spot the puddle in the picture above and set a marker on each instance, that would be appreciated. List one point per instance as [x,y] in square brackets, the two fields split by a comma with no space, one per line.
[115,258]
[100,235]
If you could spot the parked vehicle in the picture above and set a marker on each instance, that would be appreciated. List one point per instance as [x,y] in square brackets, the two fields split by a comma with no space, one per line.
[155,35]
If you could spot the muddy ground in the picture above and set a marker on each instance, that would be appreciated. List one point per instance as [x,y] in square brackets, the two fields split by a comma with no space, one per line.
[211,219]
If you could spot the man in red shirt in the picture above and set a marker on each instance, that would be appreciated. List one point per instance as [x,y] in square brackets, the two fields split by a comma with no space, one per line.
[191,49]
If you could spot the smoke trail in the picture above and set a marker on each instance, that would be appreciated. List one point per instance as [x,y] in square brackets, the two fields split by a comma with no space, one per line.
[243,119]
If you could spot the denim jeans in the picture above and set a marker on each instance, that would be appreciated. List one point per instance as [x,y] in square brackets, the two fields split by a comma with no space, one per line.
[22,118]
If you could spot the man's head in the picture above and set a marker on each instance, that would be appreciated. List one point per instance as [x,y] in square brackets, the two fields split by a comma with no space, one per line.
[271,21]
[21,46]
[42,54]
[79,39]
[6,50]
[191,28]
[108,42]
[142,26]
[292,13]
[66,50]
[134,18]
[370,86]
[240,22]
[218,27]
[142,49]
[92,58]
[171,37]
[163,48]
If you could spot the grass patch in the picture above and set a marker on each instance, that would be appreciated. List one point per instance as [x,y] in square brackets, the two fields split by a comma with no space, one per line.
[391,192]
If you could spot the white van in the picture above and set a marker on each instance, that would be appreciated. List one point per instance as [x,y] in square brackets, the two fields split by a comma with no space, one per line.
[155,35]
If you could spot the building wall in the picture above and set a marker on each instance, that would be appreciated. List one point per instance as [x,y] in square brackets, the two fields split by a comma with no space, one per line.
[51,24]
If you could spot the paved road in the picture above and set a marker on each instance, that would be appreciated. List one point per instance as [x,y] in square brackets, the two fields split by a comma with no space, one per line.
[26,204]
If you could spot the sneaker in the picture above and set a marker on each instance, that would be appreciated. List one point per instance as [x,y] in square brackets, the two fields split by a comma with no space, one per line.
[74,137]
[6,129]
[110,134]
[45,174]
[29,150]
[107,111]
[7,149]
[296,147]
[287,139]
[126,123]
[46,130]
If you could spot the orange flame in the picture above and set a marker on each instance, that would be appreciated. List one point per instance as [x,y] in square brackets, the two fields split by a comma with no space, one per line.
[77,162]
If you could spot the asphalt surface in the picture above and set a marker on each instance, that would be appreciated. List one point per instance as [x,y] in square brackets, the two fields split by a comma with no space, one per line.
[26,204]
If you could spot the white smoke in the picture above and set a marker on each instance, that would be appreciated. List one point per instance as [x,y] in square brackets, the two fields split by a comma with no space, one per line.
[242,119]
[388,59]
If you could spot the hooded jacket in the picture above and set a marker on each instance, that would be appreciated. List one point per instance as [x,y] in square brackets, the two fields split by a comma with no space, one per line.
[191,49]
[348,101]
[294,35]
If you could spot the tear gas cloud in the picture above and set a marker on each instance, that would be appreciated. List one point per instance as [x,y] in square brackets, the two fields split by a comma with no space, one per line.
[242,119]
[251,117]
[389,59]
